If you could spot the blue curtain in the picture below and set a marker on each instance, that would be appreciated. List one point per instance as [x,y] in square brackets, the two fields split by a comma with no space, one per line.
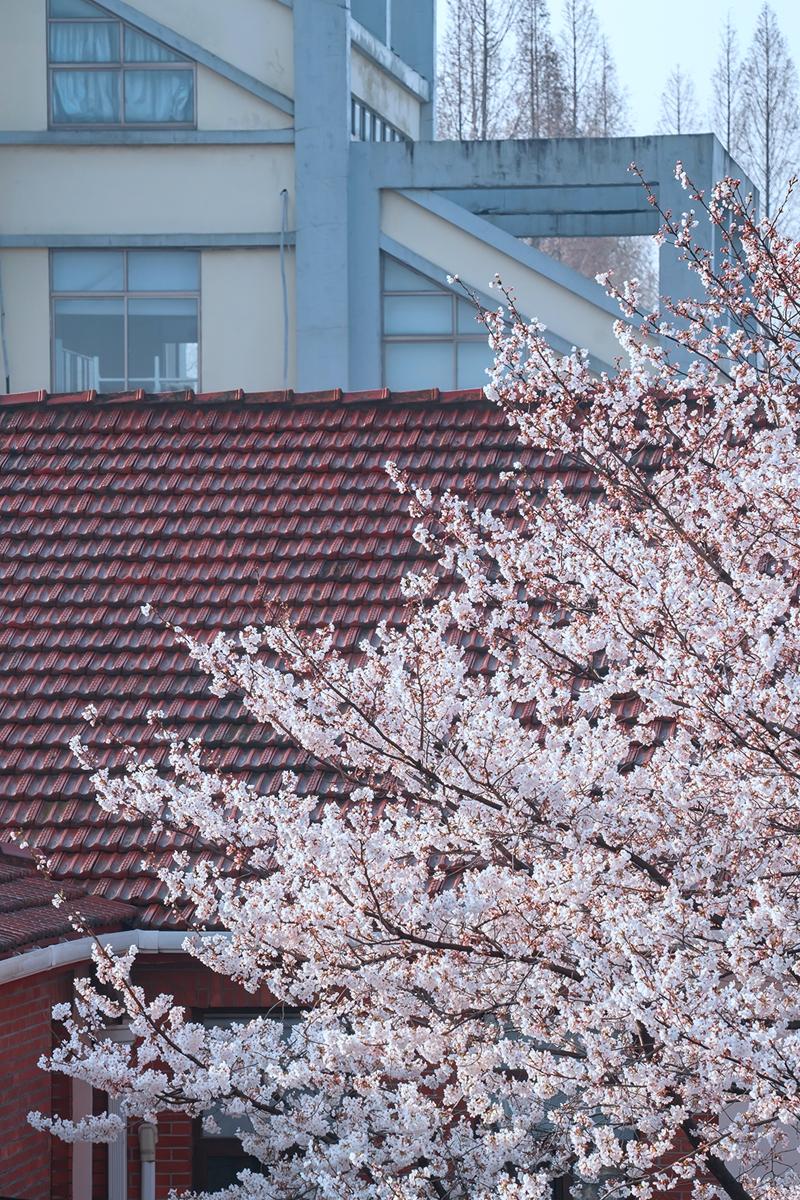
[85,97]
[140,48]
[154,97]
[84,41]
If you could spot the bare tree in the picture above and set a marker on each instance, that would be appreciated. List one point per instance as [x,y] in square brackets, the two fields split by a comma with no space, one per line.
[770,119]
[539,94]
[610,109]
[472,90]
[726,89]
[579,44]
[557,88]
[678,104]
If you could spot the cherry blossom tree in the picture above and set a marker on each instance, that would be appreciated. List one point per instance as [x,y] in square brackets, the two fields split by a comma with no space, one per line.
[550,923]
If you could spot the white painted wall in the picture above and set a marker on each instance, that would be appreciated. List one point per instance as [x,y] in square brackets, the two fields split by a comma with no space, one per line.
[254,35]
[241,336]
[26,295]
[241,319]
[384,94]
[23,65]
[144,189]
[223,105]
[574,318]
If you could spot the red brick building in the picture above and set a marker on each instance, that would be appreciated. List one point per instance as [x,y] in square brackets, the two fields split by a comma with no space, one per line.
[204,506]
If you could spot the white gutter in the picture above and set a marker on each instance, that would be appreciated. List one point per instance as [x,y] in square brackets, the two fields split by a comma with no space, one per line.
[63,954]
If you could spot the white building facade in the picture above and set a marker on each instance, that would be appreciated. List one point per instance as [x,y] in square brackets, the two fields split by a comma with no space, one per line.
[207,195]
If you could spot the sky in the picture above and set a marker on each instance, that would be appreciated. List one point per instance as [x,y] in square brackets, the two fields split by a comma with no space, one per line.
[649,38]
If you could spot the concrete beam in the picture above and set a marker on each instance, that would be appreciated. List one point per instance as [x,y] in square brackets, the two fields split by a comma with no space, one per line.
[569,187]
[598,224]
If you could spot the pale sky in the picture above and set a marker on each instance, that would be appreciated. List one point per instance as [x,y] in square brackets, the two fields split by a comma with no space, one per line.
[648,38]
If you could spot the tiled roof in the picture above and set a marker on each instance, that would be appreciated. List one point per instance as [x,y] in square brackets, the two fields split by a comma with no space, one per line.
[191,502]
[28,917]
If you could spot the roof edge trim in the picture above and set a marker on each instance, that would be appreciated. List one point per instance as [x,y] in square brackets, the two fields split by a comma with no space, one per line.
[64,954]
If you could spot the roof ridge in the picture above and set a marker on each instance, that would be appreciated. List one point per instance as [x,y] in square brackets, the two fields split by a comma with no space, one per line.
[274,398]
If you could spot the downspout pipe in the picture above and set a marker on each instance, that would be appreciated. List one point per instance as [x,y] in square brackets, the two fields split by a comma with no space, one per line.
[148,1137]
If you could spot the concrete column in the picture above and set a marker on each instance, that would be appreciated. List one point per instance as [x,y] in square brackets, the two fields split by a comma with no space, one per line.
[322,147]
[412,35]
[365,274]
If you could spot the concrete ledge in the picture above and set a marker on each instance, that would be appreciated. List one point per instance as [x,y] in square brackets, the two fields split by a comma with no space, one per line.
[147,137]
[389,62]
[199,241]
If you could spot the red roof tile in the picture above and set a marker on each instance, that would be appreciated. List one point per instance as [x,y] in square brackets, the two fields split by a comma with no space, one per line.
[189,502]
[28,917]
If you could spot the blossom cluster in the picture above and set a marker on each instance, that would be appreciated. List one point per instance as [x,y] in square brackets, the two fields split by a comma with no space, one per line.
[549,922]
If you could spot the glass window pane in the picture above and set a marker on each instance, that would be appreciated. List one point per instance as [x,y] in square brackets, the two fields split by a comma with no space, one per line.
[87,270]
[397,278]
[159,97]
[468,321]
[222,1170]
[417,314]
[163,271]
[162,343]
[89,345]
[473,359]
[85,97]
[141,48]
[75,8]
[84,41]
[411,366]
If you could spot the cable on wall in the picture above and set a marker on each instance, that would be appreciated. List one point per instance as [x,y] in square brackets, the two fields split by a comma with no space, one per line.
[284,220]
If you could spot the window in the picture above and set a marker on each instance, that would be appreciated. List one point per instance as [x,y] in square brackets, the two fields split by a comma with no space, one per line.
[431,337]
[125,319]
[368,126]
[104,72]
[218,1155]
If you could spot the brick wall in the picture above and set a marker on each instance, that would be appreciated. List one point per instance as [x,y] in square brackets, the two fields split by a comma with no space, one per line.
[34,1166]
[30,1162]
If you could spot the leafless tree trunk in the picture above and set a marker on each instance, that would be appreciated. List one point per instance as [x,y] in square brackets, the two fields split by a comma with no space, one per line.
[539,94]
[678,104]
[610,106]
[557,88]
[725,89]
[472,92]
[770,119]
[579,41]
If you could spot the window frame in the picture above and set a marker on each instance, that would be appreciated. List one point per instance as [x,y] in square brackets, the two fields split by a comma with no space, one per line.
[361,115]
[454,339]
[125,295]
[119,66]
